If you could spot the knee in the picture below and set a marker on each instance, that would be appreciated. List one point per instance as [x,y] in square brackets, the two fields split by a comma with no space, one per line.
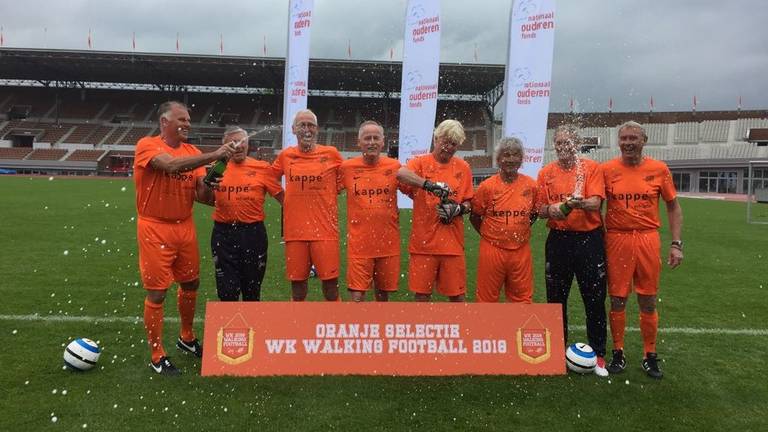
[157,297]
[191,285]
[618,304]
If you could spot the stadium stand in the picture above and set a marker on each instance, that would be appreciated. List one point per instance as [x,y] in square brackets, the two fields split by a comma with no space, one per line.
[71,116]
[714,131]
[14,152]
[47,154]
[86,155]
[687,133]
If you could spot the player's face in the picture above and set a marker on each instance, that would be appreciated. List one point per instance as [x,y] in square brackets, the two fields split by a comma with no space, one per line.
[305,129]
[371,141]
[445,148]
[176,123]
[631,142]
[565,146]
[510,161]
[241,142]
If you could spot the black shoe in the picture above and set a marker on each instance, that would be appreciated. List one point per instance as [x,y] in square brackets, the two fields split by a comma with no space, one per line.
[165,367]
[651,366]
[618,362]
[192,347]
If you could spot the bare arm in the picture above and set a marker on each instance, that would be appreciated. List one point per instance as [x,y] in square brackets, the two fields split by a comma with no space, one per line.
[170,164]
[204,194]
[476,220]
[588,204]
[279,197]
[410,178]
[675,216]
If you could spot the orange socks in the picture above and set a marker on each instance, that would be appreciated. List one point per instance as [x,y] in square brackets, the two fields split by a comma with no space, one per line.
[649,325]
[618,324]
[153,323]
[187,300]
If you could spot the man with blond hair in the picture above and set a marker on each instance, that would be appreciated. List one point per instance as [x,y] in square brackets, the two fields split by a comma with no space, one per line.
[440,185]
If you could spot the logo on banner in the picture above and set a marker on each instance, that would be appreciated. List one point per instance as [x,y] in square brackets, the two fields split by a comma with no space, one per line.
[522,75]
[416,13]
[234,341]
[524,9]
[298,6]
[412,79]
[534,343]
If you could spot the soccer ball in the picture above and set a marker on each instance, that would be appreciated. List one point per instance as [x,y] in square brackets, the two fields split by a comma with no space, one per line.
[81,354]
[580,358]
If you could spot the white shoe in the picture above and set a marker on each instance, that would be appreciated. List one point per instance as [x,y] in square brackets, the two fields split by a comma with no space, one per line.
[600,369]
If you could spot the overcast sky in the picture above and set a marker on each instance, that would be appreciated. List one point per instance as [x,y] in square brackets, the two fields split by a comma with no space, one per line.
[628,50]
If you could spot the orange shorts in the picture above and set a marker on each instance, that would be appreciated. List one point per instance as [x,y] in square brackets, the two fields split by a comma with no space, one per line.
[167,252]
[450,272]
[633,258]
[300,255]
[383,271]
[508,268]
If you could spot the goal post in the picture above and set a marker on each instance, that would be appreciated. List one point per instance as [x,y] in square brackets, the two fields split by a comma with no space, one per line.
[757,192]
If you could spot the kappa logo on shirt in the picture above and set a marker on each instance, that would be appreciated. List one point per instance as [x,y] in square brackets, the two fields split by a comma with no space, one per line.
[506,214]
[639,199]
[307,180]
[180,177]
[371,193]
[527,192]
[649,178]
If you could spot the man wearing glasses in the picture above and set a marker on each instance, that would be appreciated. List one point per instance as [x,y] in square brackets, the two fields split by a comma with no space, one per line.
[441,188]
[311,221]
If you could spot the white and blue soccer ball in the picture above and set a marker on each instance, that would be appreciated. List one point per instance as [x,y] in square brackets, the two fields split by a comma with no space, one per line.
[580,358]
[81,354]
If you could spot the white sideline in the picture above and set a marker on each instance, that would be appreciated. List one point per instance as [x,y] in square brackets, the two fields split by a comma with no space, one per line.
[136,320]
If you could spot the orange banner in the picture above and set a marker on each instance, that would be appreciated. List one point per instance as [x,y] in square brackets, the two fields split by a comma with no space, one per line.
[296,338]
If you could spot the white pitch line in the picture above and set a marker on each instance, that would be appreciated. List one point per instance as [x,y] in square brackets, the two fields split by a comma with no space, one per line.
[134,320]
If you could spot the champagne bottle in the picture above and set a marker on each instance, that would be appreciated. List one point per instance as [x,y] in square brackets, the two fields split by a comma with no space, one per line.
[565,209]
[215,172]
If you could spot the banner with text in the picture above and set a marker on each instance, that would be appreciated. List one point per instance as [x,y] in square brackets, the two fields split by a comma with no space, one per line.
[418,94]
[296,65]
[528,78]
[319,338]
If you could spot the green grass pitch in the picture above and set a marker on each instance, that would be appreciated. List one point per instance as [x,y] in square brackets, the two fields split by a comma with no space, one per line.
[69,250]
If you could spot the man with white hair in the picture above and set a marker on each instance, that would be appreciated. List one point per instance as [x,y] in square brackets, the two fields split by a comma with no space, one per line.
[571,192]
[373,222]
[633,184]
[311,219]
[503,209]
[168,174]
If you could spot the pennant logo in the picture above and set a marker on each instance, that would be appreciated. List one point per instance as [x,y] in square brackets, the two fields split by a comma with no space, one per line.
[534,343]
[234,341]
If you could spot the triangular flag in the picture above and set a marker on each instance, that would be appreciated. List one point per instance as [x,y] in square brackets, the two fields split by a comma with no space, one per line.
[90,44]
[178,45]
[349,48]
[264,48]
[133,41]
[221,43]
[610,104]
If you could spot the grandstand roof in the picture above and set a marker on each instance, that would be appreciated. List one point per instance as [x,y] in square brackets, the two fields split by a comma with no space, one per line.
[230,71]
